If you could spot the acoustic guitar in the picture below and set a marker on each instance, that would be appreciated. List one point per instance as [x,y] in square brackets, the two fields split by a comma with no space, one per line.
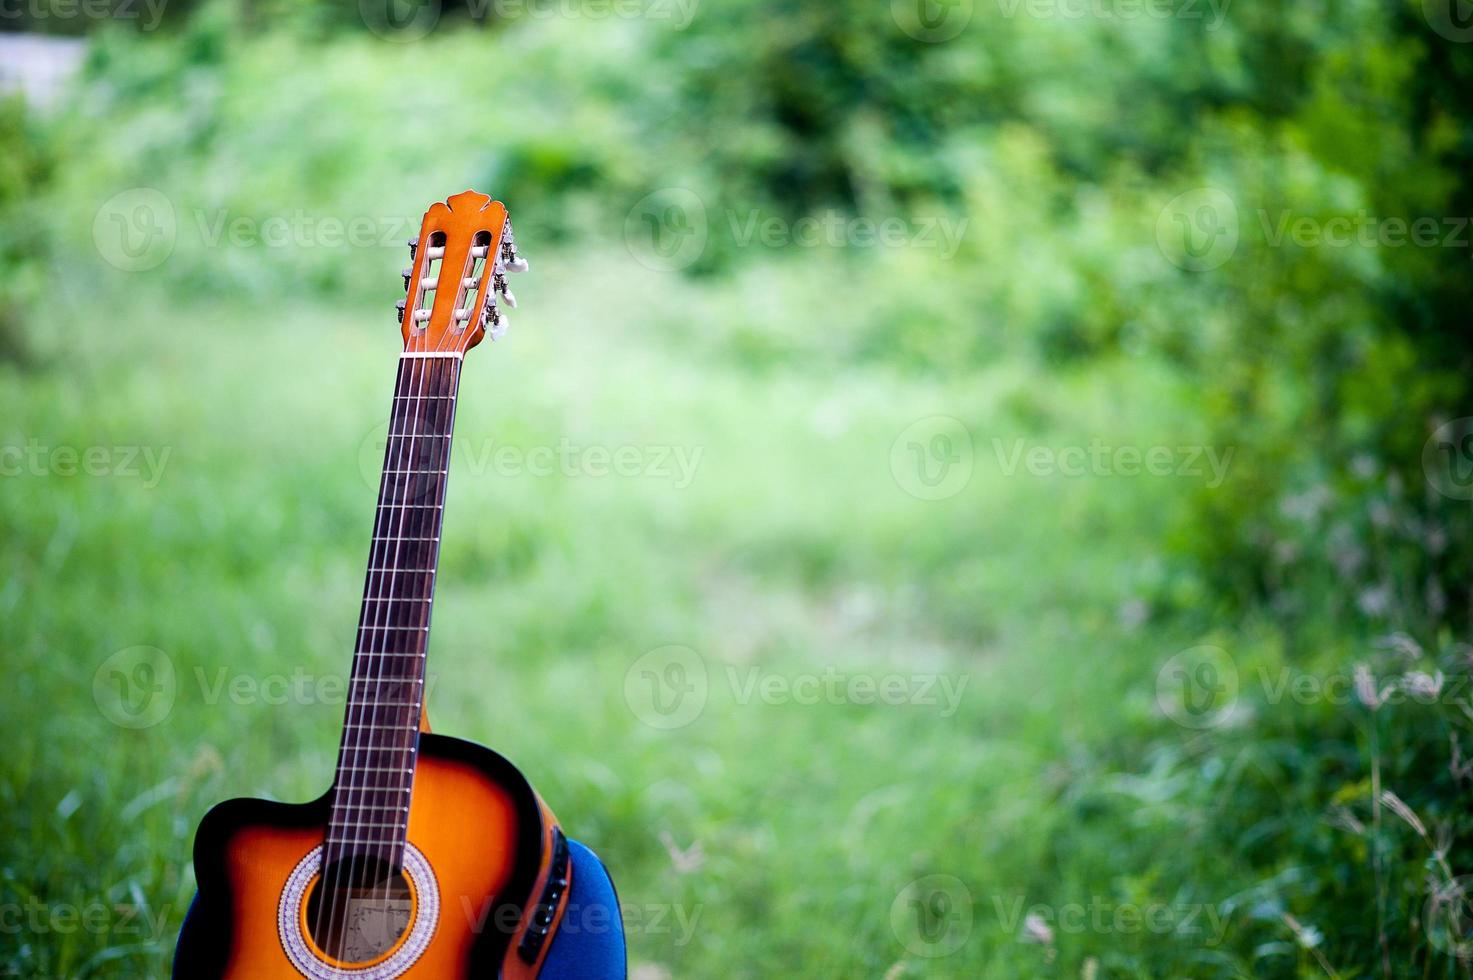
[429,856]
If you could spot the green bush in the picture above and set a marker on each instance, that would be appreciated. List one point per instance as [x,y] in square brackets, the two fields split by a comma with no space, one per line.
[25,168]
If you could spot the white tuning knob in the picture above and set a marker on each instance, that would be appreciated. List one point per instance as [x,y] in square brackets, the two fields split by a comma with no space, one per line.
[517,264]
[498,284]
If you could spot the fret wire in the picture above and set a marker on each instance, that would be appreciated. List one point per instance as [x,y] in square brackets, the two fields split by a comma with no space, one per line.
[392,792]
[396,724]
[418,446]
[403,538]
[406,436]
[391,570]
[398,787]
[382,729]
[402,508]
[406,598]
[371,823]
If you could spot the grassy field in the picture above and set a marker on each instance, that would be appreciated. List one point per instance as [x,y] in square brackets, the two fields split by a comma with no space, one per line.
[815,722]
[1080,592]
[759,526]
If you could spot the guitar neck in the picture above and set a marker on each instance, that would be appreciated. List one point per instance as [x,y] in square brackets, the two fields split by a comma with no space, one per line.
[386,687]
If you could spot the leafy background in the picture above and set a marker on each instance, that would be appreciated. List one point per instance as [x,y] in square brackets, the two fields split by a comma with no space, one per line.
[1205,728]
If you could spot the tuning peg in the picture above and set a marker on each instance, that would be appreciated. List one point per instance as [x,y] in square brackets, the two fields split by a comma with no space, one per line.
[400,307]
[495,322]
[413,245]
[408,273]
[500,286]
[511,261]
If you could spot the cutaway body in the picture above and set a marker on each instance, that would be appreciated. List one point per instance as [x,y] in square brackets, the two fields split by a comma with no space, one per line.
[429,857]
[486,869]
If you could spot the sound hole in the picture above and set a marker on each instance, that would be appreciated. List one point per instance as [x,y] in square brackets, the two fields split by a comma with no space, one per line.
[358,911]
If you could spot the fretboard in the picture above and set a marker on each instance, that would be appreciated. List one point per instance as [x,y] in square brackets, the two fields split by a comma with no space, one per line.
[370,799]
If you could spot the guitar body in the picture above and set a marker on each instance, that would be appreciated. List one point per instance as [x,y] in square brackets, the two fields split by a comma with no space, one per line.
[496,883]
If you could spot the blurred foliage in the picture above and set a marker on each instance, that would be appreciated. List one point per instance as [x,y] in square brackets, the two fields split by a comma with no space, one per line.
[25,167]
[1133,196]
[1062,142]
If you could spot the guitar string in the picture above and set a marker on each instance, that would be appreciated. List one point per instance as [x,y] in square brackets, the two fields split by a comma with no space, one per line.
[383,572]
[422,388]
[430,526]
[350,791]
[363,792]
[342,789]
[409,605]
[412,488]
[419,384]
[421,588]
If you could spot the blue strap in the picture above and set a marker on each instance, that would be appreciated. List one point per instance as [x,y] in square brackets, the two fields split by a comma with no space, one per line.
[589,944]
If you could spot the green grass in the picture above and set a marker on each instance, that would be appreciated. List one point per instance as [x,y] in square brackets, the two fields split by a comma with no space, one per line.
[777,831]
[793,553]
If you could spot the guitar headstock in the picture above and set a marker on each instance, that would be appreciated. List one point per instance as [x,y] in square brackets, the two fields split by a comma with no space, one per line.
[456,284]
